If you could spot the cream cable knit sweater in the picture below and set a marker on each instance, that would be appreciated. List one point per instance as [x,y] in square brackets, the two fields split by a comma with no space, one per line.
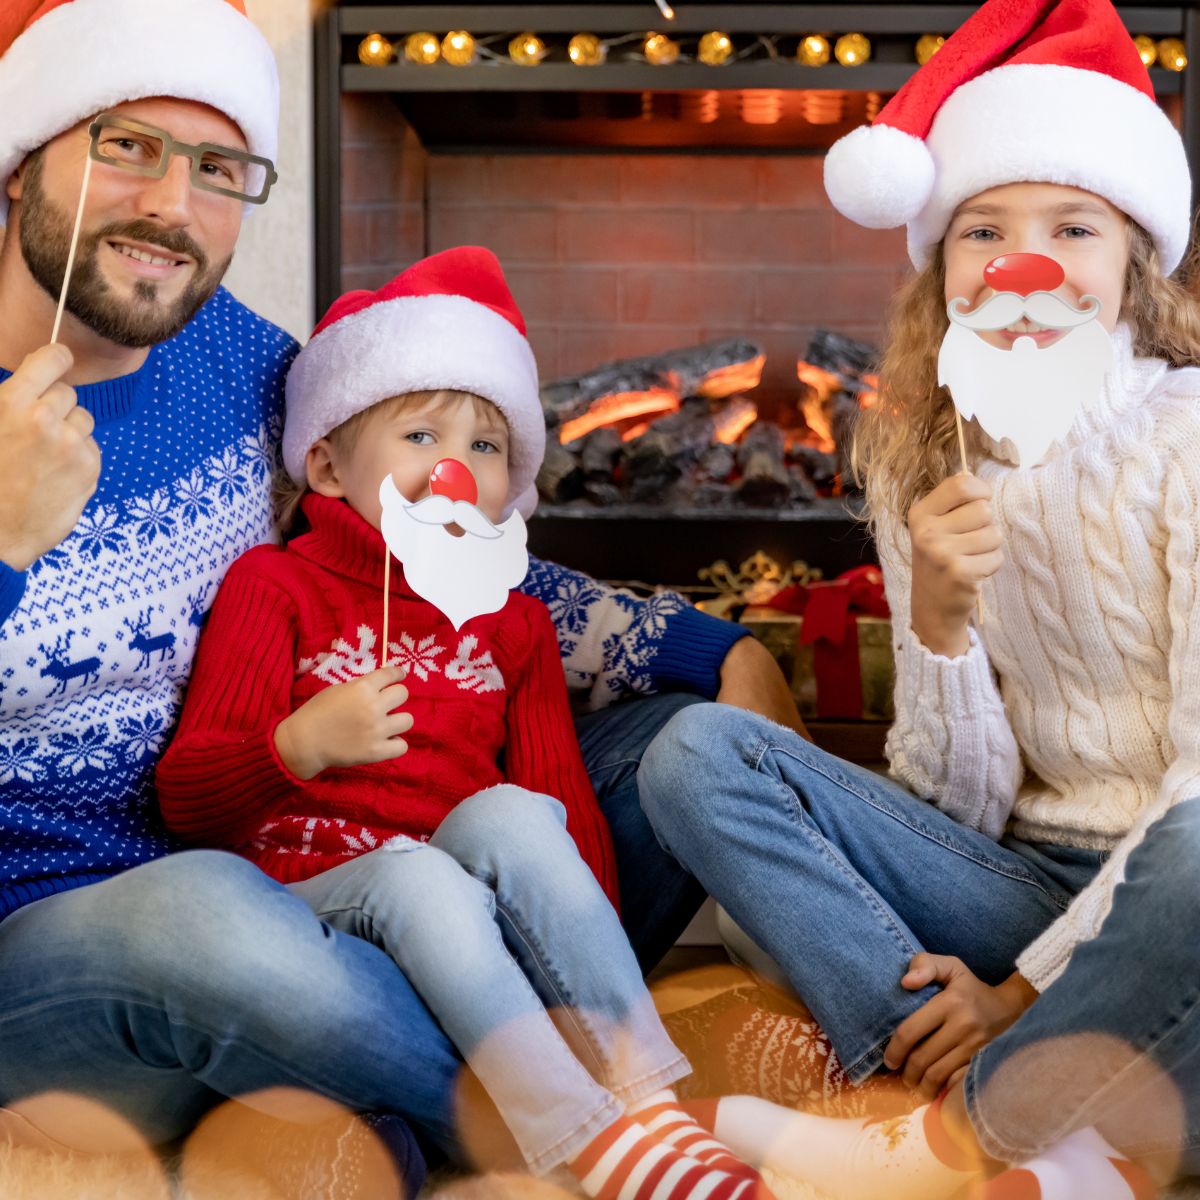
[1092,627]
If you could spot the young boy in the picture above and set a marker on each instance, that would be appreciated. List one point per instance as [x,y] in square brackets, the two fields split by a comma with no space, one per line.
[448,818]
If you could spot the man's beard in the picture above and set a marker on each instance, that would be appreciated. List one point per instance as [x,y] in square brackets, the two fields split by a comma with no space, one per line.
[143,321]
[462,577]
[1029,394]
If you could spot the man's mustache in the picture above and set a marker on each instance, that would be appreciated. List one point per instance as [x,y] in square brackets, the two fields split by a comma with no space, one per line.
[171,241]
[441,510]
[1006,308]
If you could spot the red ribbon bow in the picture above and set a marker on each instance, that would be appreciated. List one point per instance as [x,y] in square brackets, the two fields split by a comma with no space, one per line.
[830,612]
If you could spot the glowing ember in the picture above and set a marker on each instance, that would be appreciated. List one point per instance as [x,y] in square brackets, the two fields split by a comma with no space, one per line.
[635,430]
[737,377]
[620,406]
[734,420]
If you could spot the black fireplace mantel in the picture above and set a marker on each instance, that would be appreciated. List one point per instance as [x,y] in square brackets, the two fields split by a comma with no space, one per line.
[892,28]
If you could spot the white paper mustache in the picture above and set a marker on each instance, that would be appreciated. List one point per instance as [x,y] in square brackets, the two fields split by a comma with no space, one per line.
[1005,308]
[441,510]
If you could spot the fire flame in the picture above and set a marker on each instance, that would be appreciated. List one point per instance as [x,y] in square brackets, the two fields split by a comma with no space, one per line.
[620,406]
[820,386]
[737,416]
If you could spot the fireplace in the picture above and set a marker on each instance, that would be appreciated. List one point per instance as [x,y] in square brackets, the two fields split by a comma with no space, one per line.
[646,210]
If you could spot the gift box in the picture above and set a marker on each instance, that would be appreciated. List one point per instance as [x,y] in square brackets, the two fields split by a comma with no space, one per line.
[833,642]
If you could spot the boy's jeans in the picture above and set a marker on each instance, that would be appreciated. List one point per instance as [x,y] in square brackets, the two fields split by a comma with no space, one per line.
[495,921]
[196,977]
[842,876]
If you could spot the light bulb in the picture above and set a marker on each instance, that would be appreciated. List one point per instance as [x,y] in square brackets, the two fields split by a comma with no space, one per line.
[660,49]
[813,51]
[852,50]
[458,48]
[928,46]
[375,50]
[422,48]
[586,50]
[527,49]
[716,48]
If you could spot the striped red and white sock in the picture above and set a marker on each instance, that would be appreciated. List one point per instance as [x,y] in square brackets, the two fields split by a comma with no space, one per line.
[626,1162]
[664,1118]
[1082,1166]
[909,1157]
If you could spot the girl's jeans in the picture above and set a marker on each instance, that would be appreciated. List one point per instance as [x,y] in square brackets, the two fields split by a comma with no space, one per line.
[505,934]
[842,876]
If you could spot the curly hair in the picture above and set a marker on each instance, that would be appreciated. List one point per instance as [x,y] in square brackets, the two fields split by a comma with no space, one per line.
[907,443]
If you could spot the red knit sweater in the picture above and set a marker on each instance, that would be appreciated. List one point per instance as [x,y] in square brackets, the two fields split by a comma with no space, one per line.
[489,705]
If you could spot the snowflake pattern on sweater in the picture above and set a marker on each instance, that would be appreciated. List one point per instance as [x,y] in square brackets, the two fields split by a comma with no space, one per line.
[97,650]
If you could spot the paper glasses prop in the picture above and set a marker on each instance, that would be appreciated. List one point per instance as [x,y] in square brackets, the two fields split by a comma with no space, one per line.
[462,575]
[1031,393]
[146,150]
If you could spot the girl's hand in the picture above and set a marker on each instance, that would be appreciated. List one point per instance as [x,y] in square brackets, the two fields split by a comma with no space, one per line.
[955,547]
[347,725]
[935,1044]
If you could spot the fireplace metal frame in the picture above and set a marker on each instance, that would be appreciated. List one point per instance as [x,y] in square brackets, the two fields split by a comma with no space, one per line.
[341,27]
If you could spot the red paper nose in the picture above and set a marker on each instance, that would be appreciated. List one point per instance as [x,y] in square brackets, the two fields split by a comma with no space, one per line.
[1023,273]
[451,478]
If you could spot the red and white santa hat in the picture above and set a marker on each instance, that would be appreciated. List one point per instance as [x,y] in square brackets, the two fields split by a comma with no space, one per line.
[1047,91]
[448,322]
[64,61]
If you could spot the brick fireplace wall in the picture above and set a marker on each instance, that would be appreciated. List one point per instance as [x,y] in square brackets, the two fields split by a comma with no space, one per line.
[611,255]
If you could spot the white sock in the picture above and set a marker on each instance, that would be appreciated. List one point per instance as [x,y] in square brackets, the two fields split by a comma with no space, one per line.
[1083,1166]
[903,1158]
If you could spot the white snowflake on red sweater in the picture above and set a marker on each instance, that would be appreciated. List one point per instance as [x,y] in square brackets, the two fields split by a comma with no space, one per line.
[420,657]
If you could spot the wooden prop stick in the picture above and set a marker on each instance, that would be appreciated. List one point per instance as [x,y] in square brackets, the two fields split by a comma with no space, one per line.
[962,450]
[387,595]
[62,299]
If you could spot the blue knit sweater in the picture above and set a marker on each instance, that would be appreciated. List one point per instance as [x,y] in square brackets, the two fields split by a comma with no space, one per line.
[97,638]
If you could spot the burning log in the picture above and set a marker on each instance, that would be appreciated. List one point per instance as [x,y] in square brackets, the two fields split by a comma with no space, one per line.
[817,466]
[766,481]
[717,463]
[561,477]
[843,356]
[714,370]
[597,459]
[617,407]
[734,419]
[652,464]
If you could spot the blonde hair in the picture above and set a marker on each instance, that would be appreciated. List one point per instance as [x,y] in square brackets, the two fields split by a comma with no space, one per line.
[907,443]
[287,493]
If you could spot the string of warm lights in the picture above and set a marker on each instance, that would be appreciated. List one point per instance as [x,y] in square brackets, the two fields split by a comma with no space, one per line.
[716,48]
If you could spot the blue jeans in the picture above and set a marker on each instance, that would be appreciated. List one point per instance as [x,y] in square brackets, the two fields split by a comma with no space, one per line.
[495,921]
[169,987]
[842,876]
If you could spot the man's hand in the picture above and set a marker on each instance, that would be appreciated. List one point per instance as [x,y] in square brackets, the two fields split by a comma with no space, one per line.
[347,725]
[935,1044]
[49,461]
[751,679]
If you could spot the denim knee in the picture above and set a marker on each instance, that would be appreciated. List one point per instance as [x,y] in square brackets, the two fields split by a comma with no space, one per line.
[502,820]
[692,750]
[197,918]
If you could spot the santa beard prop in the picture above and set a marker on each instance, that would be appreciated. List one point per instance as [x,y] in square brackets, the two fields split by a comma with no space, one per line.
[1029,395]
[464,576]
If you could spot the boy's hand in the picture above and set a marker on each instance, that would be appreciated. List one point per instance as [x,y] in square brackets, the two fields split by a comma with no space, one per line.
[49,461]
[955,547]
[347,725]
[937,1041]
